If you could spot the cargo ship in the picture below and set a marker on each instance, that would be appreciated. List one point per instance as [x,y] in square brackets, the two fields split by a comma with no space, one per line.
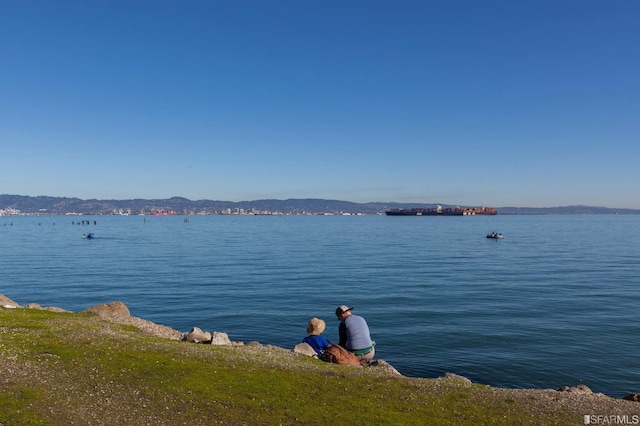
[440,211]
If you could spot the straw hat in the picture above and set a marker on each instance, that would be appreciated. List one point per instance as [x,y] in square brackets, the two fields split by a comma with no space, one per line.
[316,326]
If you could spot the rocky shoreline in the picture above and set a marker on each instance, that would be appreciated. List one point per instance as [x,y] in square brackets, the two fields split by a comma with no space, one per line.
[118,312]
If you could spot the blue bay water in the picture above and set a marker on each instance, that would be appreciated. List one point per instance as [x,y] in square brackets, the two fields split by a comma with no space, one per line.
[555,303]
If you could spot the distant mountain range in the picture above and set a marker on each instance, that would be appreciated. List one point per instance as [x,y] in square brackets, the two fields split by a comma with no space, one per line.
[19,204]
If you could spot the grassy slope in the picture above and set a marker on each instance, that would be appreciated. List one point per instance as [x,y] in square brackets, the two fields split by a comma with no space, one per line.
[64,368]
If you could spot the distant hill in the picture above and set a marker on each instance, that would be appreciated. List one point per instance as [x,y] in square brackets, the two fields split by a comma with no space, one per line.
[564,210]
[20,204]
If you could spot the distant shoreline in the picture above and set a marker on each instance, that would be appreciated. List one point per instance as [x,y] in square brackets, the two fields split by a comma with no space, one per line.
[18,205]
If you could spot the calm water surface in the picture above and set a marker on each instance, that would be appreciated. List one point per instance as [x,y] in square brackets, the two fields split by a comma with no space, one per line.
[555,303]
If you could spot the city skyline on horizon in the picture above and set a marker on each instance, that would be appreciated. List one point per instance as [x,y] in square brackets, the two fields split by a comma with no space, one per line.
[391,204]
[527,104]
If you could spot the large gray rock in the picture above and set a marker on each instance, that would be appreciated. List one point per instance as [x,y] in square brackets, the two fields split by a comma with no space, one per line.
[220,339]
[112,310]
[304,349]
[196,335]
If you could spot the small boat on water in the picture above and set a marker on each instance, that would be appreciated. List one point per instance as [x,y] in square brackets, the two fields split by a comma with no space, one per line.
[495,236]
[88,236]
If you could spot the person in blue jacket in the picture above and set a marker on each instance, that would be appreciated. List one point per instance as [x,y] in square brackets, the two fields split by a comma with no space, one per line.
[315,339]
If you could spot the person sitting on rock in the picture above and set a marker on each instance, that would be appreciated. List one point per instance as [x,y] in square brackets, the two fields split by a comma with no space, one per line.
[354,334]
[315,339]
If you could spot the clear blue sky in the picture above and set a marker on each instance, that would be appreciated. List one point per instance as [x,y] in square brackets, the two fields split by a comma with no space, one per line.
[497,103]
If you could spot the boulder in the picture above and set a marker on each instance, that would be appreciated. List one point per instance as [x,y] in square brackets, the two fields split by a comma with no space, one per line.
[305,349]
[219,338]
[635,396]
[7,303]
[112,310]
[196,335]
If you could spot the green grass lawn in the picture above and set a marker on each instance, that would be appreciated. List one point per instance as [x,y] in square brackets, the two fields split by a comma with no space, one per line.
[75,368]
